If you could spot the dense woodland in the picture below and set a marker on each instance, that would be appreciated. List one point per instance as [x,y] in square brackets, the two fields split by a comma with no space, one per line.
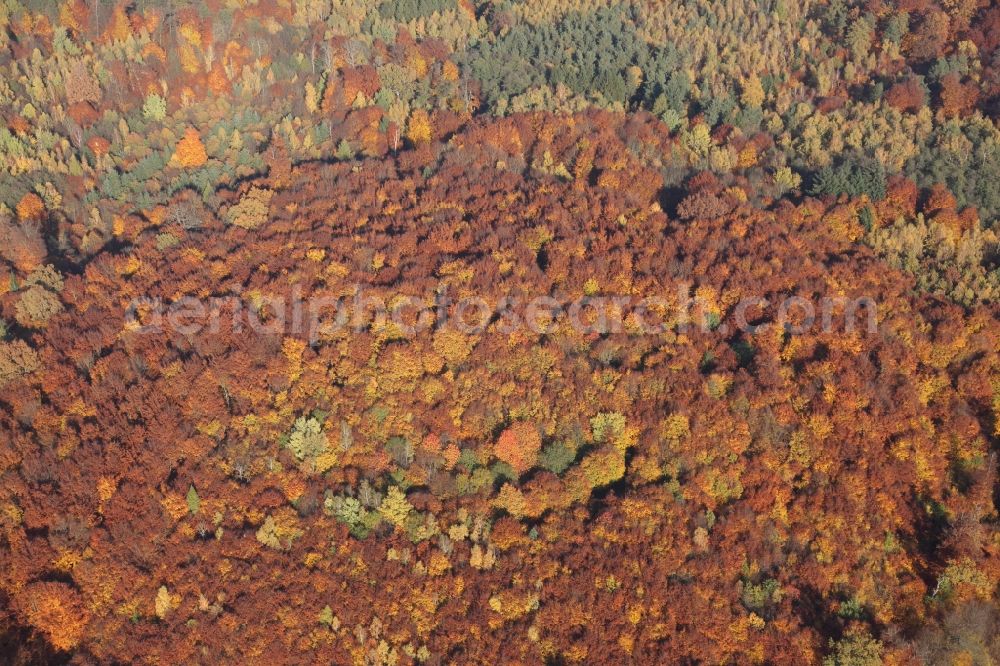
[375,496]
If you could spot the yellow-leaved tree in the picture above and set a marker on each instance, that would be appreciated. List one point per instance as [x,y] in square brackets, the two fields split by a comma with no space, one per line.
[252,209]
[753,92]
[419,129]
[395,508]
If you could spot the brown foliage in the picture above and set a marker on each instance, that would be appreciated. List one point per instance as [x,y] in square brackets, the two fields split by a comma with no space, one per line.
[18,124]
[956,98]
[99,145]
[703,205]
[742,479]
[36,306]
[83,113]
[929,38]
[906,95]
[81,86]
[900,200]
[22,245]
[363,79]
[17,360]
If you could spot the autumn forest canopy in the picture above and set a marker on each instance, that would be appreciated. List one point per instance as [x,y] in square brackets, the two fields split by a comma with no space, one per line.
[796,465]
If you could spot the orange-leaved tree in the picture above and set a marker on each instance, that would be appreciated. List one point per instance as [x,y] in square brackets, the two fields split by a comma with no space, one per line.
[30,207]
[55,609]
[519,445]
[190,151]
